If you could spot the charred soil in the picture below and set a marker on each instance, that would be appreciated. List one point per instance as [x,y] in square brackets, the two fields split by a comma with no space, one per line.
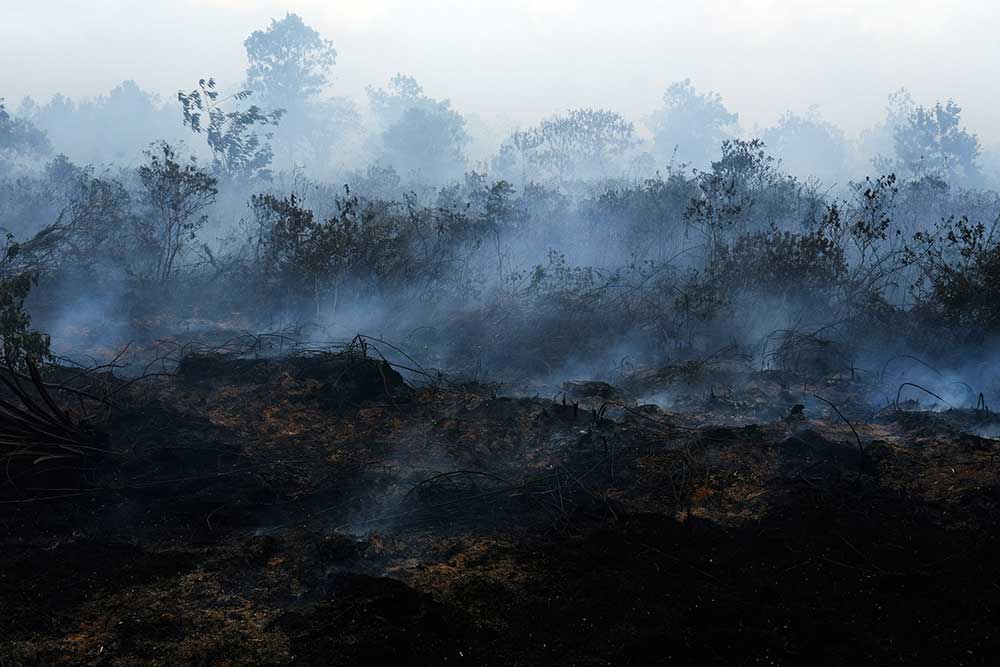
[322,511]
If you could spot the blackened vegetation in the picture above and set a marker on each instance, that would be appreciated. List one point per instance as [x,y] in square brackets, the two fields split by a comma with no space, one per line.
[767,471]
[482,274]
[716,414]
[345,378]
[42,440]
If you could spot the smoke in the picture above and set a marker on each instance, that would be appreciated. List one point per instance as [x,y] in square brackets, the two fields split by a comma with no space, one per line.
[584,245]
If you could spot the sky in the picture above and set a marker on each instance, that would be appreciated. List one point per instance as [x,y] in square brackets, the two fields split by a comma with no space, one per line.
[517,61]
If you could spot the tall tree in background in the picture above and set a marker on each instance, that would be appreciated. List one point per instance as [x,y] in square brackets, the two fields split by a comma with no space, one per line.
[112,127]
[917,142]
[390,103]
[420,135]
[809,146]
[691,126]
[582,142]
[932,142]
[518,155]
[288,68]
[19,137]
[288,62]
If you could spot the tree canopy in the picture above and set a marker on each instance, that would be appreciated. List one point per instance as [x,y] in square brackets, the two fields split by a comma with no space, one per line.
[691,125]
[288,62]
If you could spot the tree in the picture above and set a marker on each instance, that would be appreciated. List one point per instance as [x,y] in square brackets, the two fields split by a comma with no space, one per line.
[959,269]
[94,225]
[932,142]
[428,141]
[288,67]
[176,193]
[729,190]
[19,137]
[113,127]
[389,103]
[517,152]
[924,143]
[291,248]
[808,146]
[19,343]
[691,125]
[288,62]
[420,134]
[580,143]
[584,140]
[237,150]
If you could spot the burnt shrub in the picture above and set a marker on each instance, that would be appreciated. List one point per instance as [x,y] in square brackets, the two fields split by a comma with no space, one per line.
[367,247]
[781,262]
[959,283]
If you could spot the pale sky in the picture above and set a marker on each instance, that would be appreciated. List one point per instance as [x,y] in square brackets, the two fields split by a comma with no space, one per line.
[523,60]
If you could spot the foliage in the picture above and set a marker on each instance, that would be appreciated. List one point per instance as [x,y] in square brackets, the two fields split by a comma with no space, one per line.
[808,146]
[238,151]
[292,250]
[593,244]
[373,246]
[927,142]
[960,271]
[581,143]
[426,140]
[20,343]
[289,64]
[691,125]
[584,140]
[402,93]
[419,135]
[112,127]
[783,263]
[932,142]
[866,230]
[729,190]
[20,137]
[93,226]
[29,201]
[518,152]
[176,194]
[648,214]
[376,181]
[288,61]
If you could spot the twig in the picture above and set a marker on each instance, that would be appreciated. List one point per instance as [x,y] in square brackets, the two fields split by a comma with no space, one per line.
[912,384]
[861,449]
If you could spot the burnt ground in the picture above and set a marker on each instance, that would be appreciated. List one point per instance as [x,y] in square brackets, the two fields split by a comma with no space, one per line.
[256,512]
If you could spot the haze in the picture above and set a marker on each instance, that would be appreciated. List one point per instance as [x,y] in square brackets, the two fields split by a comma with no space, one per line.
[515,62]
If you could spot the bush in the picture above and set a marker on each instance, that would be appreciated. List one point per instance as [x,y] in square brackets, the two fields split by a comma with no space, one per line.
[20,342]
[960,282]
[783,263]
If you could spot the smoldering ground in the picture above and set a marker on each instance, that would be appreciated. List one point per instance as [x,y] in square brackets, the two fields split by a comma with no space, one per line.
[294,379]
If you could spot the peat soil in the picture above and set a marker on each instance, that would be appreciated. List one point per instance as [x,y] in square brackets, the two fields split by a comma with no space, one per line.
[320,510]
